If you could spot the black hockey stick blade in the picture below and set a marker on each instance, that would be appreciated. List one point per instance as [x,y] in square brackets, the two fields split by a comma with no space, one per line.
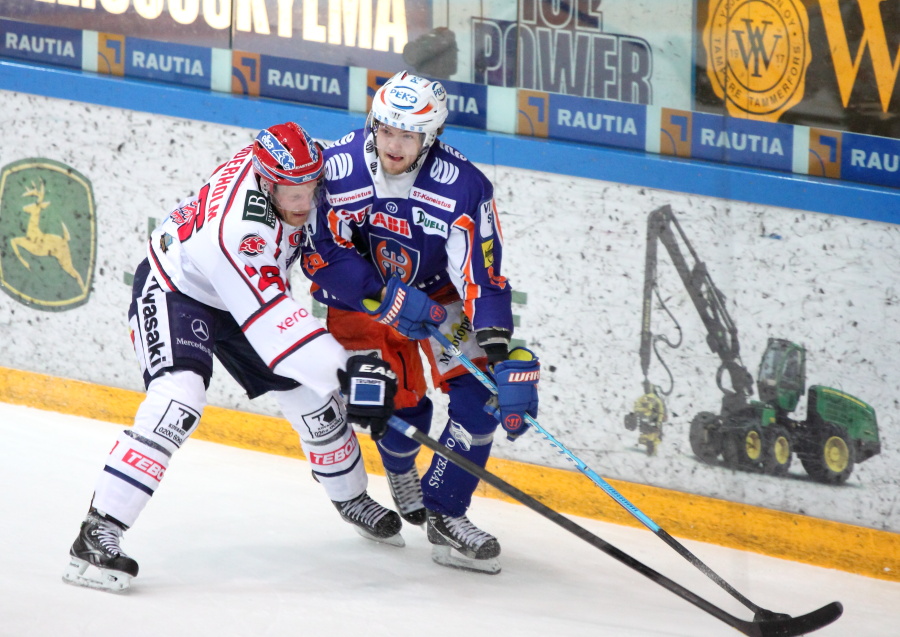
[786,626]
[766,624]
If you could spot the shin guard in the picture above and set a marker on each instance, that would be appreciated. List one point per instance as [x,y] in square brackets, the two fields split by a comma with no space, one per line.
[138,461]
[328,441]
[446,488]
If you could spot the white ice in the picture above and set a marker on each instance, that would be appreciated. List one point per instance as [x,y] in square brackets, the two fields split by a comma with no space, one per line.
[237,542]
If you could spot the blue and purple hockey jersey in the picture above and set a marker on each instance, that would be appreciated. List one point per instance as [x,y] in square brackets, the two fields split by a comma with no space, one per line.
[432,226]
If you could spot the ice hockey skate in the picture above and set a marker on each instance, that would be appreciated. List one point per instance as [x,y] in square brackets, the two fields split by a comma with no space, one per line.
[406,489]
[460,544]
[97,547]
[371,520]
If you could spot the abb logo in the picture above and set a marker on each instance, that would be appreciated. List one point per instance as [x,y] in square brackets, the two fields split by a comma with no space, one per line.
[524,377]
[144,464]
[335,457]
[400,226]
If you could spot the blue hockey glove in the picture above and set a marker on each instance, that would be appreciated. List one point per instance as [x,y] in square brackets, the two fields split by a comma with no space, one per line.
[406,309]
[369,386]
[517,380]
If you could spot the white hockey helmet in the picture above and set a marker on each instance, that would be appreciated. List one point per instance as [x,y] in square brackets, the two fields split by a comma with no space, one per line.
[413,103]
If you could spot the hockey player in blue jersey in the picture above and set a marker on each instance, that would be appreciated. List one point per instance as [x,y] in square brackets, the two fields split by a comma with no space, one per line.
[413,237]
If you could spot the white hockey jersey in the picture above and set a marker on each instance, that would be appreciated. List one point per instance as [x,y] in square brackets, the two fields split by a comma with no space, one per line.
[228,249]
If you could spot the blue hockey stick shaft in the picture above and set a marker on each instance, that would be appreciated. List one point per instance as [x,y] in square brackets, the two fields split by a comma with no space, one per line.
[597,479]
[593,475]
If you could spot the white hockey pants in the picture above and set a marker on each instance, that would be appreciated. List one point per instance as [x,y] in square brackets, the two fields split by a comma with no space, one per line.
[171,412]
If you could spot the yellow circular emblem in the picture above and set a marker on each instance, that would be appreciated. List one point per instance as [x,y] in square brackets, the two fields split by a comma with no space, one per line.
[757,53]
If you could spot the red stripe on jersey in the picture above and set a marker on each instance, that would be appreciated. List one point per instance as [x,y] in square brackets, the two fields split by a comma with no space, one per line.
[262,311]
[278,241]
[471,290]
[165,277]
[293,348]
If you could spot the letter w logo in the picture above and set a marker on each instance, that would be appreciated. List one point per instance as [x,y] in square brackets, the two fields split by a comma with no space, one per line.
[874,39]
[756,49]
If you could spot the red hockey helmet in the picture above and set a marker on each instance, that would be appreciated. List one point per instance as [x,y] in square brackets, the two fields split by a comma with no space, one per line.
[285,154]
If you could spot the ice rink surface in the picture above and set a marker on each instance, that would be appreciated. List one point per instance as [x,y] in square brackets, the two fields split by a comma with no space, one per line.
[241,543]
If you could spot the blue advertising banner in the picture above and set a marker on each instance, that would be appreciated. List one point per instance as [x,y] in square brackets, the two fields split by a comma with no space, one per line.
[467,104]
[742,141]
[42,44]
[299,81]
[603,122]
[168,62]
[870,159]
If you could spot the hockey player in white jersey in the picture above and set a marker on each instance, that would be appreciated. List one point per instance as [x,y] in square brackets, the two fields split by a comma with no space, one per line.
[216,283]
[413,237]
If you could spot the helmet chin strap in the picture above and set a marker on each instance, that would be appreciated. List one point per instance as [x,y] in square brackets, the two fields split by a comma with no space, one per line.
[419,157]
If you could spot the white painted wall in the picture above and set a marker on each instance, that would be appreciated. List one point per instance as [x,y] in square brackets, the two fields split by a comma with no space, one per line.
[576,247]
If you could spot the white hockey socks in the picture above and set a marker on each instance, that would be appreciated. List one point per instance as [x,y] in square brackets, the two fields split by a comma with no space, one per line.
[137,463]
[328,440]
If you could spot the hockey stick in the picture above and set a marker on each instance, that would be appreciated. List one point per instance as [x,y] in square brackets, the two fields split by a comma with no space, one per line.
[773,625]
[603,484]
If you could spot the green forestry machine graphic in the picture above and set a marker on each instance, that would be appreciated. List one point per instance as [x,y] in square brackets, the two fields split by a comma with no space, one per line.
[755,435]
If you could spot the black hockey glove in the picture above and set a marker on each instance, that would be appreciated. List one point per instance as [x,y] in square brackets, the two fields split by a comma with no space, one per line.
[369,387]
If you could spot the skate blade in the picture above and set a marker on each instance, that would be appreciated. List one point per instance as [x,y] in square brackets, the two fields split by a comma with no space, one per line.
[109,580]
[445,556]
[394,540]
